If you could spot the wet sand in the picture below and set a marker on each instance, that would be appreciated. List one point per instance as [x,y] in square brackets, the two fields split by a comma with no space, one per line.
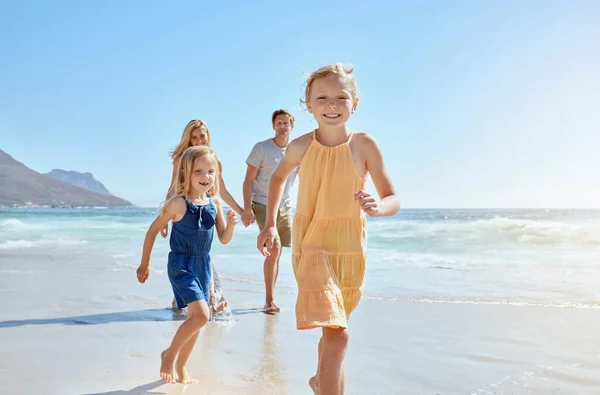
[71,332]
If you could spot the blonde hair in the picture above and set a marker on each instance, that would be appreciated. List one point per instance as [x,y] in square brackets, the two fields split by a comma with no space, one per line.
[182,181]
[343,70]
[186,137]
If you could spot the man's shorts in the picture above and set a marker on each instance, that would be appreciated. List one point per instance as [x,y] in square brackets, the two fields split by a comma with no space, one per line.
[284,221]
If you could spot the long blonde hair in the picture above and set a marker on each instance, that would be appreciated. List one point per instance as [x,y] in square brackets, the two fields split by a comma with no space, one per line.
[186,137]
[186,168]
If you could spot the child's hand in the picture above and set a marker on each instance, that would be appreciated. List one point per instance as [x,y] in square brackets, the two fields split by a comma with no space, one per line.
[164,232]
[232,218]
[143,271]
[265,240]
[367,203]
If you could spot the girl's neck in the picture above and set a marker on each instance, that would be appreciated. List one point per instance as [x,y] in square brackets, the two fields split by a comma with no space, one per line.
[197,198]
[332,136]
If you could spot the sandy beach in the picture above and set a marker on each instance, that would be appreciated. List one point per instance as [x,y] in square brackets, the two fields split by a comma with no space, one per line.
[464,132]
[67,329]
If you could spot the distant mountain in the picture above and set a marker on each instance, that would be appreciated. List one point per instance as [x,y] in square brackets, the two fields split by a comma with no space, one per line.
[20,186]
[83,180]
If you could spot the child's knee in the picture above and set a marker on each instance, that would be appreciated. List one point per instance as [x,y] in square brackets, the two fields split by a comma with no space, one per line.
[198,314]
[198,320]
[336,338]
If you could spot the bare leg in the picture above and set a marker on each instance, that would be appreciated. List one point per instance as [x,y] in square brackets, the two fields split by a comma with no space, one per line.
[271,269]
[182,358]
[330,376]
[313,382]
[277,269]
[197,317]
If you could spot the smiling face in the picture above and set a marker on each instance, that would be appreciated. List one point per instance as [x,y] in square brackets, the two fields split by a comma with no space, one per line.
[331,101]
[199,136]
[204,174]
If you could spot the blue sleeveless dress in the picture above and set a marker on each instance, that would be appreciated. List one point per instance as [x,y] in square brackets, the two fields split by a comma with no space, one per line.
[189,259]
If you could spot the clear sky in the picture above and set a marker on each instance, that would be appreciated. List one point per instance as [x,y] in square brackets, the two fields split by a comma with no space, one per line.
[475,104]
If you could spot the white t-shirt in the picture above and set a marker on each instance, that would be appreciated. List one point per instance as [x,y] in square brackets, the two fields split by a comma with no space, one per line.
[265,156]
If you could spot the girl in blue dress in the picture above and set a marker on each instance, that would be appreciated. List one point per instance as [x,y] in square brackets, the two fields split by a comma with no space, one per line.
[196,213]
[195,133]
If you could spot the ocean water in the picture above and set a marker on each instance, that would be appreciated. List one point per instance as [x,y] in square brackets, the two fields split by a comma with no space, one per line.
[528,256]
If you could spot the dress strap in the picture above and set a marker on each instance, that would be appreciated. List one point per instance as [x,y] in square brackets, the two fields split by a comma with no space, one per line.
[350,137]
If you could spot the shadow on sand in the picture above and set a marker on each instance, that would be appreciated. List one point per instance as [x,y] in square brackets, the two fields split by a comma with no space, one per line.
[145,389]
[165,314]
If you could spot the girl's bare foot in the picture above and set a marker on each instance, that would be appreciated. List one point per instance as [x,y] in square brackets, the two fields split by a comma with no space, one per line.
[312,382]
[271,307]
[182,375]
[166,368]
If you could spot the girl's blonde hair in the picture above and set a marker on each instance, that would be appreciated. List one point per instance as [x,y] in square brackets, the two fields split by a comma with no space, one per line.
[343,70]
[186,137]
[186,168]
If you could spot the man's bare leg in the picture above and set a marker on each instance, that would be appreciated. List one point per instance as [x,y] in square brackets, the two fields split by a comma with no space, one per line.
[271,270]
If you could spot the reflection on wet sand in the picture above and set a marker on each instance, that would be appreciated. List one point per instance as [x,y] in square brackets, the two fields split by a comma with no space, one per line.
[269,376]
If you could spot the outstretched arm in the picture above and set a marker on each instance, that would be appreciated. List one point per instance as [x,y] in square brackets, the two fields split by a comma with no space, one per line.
[291,160]
[174,209]
[251,173]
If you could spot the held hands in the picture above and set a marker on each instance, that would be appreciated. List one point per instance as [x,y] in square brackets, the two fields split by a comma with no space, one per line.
[368,204]
[143,271]
[248,218]
[265,240]
[232,218]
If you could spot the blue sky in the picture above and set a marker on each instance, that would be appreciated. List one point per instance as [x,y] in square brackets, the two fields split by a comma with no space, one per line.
[475,104]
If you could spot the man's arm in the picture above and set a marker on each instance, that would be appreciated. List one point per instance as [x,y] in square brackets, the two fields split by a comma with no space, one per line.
[254,162]
[292,158]
[289,162]
[251,173]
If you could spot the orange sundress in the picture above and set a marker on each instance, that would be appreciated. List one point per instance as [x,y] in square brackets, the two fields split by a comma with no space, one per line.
[329,240]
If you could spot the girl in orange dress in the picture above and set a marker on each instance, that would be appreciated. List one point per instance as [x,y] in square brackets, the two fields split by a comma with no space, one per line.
[329,240]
